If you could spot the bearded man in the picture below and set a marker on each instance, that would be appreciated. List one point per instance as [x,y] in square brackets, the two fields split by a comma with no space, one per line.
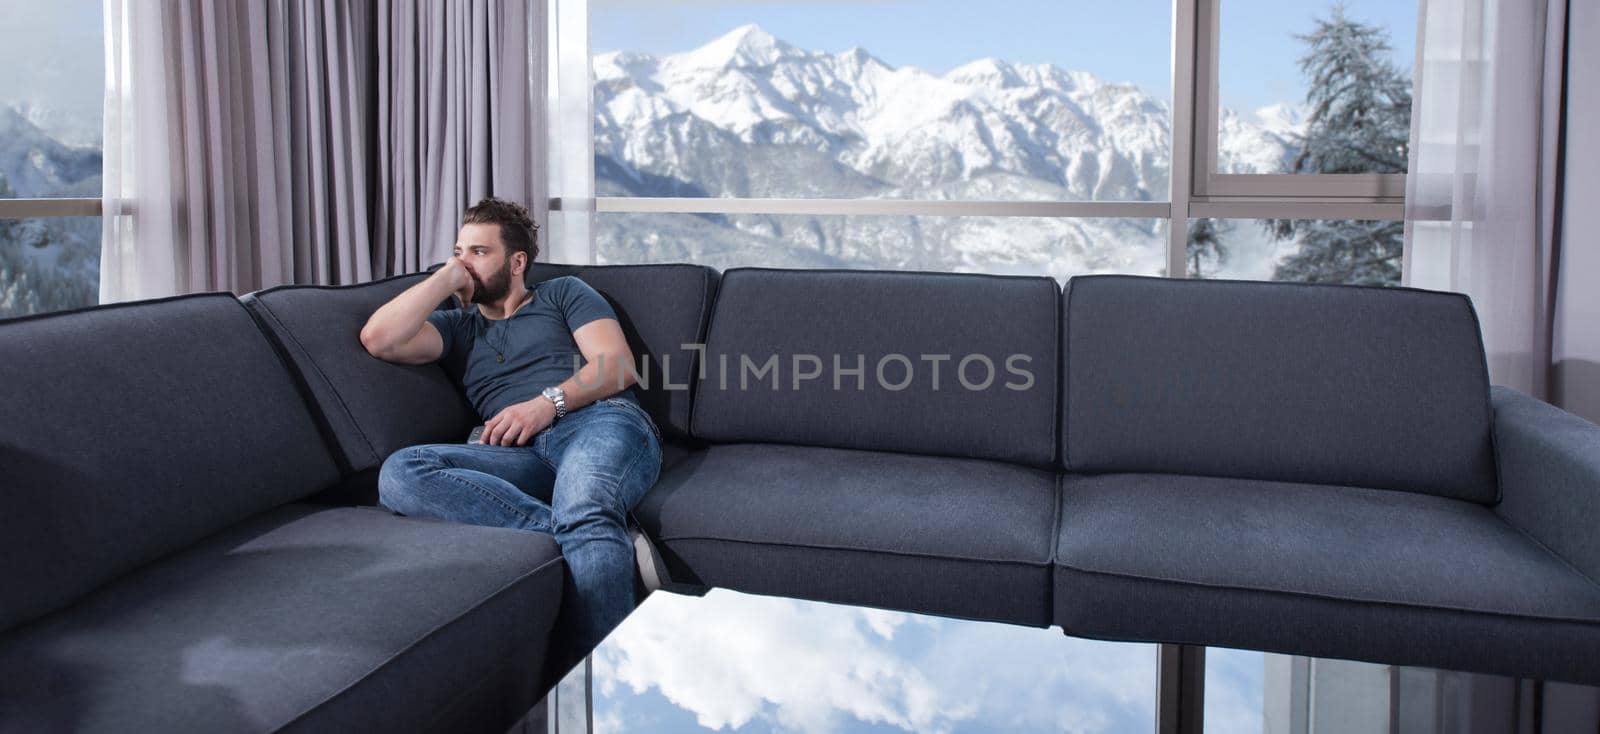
[580,438]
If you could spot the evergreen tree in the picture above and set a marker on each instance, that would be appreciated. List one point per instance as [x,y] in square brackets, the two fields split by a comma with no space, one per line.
[1359,121]
[1359,118]
[1343,251]
[1205,246]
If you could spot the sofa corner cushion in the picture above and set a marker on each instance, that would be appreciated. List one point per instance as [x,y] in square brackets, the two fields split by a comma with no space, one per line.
[1329,571]
[950,364]
[372,407]
[1326,384]
[965,537]
[317,618]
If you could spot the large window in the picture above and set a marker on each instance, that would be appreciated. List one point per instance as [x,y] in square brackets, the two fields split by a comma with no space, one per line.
[50,128]
[1055,138]
[864,100]
[916,135]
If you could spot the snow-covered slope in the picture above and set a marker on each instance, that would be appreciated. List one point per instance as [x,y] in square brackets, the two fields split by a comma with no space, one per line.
[46,264]
[748,115]
[35,164]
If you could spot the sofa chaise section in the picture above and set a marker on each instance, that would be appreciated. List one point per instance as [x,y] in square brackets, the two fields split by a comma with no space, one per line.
[304,618]
[162,571]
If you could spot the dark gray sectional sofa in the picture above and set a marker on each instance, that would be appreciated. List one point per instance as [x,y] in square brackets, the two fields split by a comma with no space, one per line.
[164,570]
[190,541]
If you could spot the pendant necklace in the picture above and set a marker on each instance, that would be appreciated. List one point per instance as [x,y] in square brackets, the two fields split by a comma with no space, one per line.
[505,333]
[499,351]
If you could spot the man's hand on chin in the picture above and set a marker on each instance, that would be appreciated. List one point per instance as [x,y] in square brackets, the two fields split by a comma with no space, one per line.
[460,279]
[517,423]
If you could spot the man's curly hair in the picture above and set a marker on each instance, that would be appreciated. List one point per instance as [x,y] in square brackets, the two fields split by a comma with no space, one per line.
[516,227]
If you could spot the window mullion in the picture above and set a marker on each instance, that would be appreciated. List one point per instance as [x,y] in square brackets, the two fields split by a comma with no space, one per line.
[40,208]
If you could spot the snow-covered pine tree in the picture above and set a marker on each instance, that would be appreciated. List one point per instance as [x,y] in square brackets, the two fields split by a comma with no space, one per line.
[11,260]
[1205,246]
[1359,121]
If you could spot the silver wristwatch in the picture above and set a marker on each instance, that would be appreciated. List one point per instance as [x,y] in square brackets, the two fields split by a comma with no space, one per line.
[559,397]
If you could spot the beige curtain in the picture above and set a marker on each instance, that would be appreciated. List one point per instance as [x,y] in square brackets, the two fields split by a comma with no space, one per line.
[294,141]
[1575,334]
[461,88]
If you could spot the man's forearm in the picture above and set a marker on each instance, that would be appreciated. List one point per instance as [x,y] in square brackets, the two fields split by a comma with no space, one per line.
[402,317]
[606,375]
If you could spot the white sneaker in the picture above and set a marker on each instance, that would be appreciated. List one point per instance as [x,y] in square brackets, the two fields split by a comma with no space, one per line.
[647,560]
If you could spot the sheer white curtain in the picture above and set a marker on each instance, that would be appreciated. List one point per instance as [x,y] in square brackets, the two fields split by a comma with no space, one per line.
[254,144]
[127,273]
[1483,184]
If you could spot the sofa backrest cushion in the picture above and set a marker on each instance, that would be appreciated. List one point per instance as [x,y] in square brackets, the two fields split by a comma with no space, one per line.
[132,430]
[663,310]
[951,364]
[1370,387]
[373,407]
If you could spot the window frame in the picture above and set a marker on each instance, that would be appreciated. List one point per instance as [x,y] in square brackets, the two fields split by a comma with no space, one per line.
[1312,188]
[35,208]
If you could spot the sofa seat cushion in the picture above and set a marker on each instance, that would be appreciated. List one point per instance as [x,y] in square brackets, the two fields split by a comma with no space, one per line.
[959,537]
[1344,572]
[302,618]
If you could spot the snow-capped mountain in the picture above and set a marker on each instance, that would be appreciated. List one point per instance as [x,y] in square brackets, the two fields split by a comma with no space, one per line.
[35,164]
[748,115]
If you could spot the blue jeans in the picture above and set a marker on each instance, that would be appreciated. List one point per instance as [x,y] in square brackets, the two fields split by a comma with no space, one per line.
[577,479]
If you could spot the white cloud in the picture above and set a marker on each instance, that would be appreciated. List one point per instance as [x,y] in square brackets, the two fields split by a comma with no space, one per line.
[608,722]
[729,659]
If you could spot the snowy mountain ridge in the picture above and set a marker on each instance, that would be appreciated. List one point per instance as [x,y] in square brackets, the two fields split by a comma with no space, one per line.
[750,115]
[33,163]
[903,132]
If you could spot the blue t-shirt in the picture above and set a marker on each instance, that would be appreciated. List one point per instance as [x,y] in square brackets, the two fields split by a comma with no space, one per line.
[536,341]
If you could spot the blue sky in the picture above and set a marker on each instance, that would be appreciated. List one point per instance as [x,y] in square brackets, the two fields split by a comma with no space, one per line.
[53,51]
[54,56]
[1125,41]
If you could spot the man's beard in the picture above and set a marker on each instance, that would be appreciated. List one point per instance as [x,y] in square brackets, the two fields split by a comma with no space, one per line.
[493,289]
